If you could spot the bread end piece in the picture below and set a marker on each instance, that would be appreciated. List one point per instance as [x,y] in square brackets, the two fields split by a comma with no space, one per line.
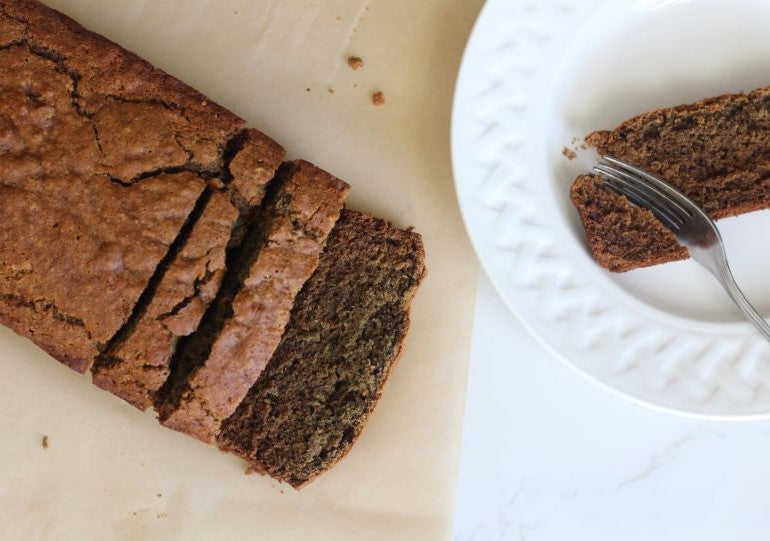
[347,330]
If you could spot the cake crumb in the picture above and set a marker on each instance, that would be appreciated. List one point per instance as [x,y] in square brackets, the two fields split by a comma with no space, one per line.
[569,153]
[355,62]
[162,515]
[159,495]
[330,90]
[378,98]
[307,90]
[44,442]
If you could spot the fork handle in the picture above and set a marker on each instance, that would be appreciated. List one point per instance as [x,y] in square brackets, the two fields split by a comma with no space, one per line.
[725,276]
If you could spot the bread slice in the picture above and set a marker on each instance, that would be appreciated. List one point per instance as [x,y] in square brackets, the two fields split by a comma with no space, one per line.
[215,367]
[136,362]
[104,160]
[717,151]
[347,329]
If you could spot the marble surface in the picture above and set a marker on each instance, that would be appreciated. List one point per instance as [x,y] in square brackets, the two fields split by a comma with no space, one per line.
[547,455]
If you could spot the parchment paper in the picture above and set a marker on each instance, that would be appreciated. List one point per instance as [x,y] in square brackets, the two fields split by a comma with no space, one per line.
[110,472]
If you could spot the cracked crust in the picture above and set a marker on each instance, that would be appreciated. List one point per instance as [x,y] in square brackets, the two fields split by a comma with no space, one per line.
[346,332]
[103,159]
[137,361]
[216,369]
[42,322]
[88,251]
[137,366]
[104,74]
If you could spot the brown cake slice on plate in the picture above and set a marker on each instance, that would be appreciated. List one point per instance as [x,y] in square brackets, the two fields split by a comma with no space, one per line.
[717,151]
[214,368]
[347,330]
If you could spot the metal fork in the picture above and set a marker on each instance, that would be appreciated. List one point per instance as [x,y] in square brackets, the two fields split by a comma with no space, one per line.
[692,227]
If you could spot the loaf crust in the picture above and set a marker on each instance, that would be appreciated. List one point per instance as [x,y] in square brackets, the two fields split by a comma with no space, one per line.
[104,158]
[135,367]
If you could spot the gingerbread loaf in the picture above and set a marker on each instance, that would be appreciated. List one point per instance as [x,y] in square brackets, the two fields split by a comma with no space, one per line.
[717,151]
[150,237]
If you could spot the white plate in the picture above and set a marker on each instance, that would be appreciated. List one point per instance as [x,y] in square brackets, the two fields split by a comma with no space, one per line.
[537,74]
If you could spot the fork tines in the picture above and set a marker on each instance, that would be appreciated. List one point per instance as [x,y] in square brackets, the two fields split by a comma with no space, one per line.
[646,191]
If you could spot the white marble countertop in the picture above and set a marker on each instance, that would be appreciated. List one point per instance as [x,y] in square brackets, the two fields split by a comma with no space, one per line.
[547,455]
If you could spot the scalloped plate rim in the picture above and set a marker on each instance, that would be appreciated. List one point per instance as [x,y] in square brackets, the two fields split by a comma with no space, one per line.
[486,264]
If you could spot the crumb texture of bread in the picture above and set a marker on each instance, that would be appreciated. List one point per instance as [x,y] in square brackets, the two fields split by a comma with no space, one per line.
[716,151]
[104,158]
[346,332]
[219,363]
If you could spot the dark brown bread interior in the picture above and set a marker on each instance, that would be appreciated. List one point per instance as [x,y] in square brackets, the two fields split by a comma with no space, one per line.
[717,151]
[346,331]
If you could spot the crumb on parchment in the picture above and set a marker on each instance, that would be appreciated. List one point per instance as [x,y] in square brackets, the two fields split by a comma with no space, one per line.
[569,153]
[44,442]
[378,98]
[355,62]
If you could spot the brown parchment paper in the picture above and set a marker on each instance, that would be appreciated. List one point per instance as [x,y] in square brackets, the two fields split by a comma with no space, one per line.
[110,472]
